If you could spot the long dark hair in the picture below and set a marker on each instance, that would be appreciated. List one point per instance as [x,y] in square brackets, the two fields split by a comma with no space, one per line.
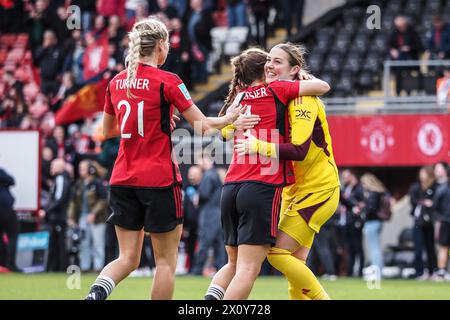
[247,67]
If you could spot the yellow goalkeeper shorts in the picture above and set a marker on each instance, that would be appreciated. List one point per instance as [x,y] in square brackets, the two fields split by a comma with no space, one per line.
[302,217]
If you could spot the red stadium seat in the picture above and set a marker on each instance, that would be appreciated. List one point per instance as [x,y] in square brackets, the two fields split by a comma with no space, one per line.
[15,55]
[8,40]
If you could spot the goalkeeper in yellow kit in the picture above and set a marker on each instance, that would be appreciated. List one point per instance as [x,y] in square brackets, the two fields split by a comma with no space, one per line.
[313,199]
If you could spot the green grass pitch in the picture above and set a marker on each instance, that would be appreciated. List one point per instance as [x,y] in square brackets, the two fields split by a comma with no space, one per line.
[54,287]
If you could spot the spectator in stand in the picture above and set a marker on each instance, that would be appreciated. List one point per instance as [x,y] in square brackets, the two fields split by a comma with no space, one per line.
[178,60]
[115,31]
[73,61]
[59,25]
[419,192]
[168,10]
[141,13]
[236,13]
[351,223]
[100,32]
[441,207]
[67,88]
[292,12]
[405,44]
[40,19]
[48,57]
[131,7]
[259,25]
[181,6]
[191,212]
[56,215]
[438,40]
[57,142]
[88,10]
[199,26]
[13,108]
[9,224]
[108,8]
[209,223]
[88,211]
[373,193]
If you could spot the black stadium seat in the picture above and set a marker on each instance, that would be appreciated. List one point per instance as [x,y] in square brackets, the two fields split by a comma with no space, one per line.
[429,83]
[333,63]
[353,63]
[365,81]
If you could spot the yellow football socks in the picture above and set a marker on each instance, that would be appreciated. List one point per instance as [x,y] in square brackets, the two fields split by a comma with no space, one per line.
[300,277]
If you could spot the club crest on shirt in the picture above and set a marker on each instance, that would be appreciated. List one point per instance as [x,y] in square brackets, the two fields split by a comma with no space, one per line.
[184,91]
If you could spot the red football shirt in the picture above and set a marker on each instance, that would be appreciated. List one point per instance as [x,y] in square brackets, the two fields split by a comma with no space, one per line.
[144,158]
[270,103]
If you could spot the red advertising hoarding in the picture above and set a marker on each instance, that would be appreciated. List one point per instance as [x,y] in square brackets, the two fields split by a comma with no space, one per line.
[390,140]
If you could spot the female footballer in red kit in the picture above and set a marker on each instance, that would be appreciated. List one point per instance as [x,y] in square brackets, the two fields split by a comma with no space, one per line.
[145,192]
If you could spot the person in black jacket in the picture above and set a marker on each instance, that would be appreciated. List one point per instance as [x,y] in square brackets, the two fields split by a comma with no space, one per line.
[49,59]
[56,216]
[350,222]
[8,222]
[373,193]
[191,212]
[209,224]
[405,44]
[441,206]
[419,192]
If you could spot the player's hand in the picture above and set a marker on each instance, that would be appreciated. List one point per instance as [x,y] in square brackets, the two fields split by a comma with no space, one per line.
[234,111]
[428,203]
[71,222]
[303,75]
[173,124]
[246,146]
[90,218]
[245,122]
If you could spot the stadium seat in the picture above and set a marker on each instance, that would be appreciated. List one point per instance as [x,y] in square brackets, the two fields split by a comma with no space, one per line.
[365,81]
[345,84]
[360,44]
[411,81]
[315,63]
[401,254]
[236,38]
[372,63]
[353,63]
[15,55]
[434,5]
[333,63]
[387,21]
[393,6]
[429,84]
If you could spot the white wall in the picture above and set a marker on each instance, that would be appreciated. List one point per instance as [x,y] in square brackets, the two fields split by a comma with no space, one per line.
[19,157]
[315,8]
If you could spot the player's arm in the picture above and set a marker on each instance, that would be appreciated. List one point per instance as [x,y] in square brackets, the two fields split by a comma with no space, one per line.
[302,119]
[110,127]
[313,87]
[203,124]
[243,122]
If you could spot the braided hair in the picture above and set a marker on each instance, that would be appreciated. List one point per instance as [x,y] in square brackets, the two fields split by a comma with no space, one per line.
[143,39]
[247,67]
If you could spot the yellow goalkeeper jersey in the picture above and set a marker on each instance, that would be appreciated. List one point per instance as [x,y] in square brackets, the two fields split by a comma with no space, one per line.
[318,170]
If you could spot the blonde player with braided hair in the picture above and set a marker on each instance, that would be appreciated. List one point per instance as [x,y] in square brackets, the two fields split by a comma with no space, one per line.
[145,192]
